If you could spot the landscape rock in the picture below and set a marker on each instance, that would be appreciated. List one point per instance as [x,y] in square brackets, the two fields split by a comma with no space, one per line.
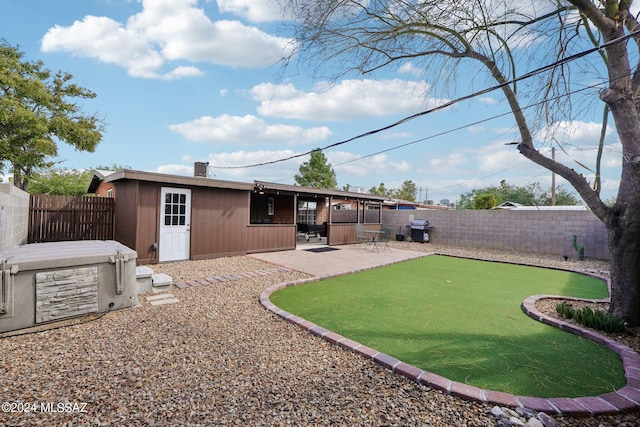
[218,357]
[497,412]
[534,422]
[547,421]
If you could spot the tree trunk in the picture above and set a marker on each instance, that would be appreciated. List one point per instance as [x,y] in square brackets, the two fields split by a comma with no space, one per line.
[21,183]
[624,247]
[623,227]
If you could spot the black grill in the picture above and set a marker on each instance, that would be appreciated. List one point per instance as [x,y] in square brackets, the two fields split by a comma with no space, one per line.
[420,230]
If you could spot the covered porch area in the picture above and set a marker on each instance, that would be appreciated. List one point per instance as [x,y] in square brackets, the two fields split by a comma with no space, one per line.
[283,216]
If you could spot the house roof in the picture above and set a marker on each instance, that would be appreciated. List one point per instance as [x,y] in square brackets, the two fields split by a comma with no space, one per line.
[272,187]
[268,187]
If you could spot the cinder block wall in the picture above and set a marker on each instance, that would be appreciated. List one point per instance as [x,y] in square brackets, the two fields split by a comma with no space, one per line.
[14,216]
[548,232]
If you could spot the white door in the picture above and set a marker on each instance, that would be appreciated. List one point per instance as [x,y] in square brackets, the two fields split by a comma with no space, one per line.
[175,220]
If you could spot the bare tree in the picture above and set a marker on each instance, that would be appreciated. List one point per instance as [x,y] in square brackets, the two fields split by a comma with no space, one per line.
[577,39]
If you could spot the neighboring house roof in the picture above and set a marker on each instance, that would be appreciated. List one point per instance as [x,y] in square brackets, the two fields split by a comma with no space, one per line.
[519,207]
[111,176]
[405,204]
[97,178]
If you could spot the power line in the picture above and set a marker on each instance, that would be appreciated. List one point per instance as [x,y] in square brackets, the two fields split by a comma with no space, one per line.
[477,179]
[465,126]
[455,130]
[445,105]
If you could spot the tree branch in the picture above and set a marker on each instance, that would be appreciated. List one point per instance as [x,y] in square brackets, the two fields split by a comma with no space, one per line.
[595,15]
[579,182]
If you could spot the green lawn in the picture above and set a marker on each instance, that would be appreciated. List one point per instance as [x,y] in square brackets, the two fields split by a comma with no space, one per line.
[462,319]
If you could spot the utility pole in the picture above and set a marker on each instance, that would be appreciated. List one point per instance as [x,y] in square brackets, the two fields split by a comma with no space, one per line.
[553,179]
[420,198]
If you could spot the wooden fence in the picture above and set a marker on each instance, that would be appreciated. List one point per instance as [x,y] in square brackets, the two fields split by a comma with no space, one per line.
[60,218]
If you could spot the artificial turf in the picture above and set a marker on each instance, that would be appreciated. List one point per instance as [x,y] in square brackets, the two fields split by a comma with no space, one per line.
[462,319]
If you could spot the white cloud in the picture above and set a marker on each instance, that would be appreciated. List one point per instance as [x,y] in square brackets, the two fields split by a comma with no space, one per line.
[106,40]
[577,133]
[451,163]
[487,100]
[513,131]
[184,170]
[497,157]
[219,162]
[409,68]
[476,129]
[348,100]
[167,30]
[584,158]
[348,165]
[246,130]
[275,172]
[179,72]
[612,156]
[253,10]
[610,186]
[577,144]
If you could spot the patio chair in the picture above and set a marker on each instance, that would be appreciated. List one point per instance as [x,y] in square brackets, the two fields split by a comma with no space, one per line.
[383,239]
[361,236]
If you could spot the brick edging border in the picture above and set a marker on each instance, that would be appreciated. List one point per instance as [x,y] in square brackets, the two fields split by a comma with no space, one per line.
[625,399]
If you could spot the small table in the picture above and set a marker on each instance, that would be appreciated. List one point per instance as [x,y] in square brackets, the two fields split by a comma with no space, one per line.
[373,234]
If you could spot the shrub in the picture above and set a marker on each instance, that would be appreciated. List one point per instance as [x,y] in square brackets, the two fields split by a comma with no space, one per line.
[565,310]
[595,319]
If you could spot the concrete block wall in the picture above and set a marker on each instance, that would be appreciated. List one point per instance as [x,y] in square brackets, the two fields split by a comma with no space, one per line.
[548,232]
[14,216]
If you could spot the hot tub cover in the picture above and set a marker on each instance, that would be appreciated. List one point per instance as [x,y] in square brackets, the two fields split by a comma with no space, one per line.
[36,256]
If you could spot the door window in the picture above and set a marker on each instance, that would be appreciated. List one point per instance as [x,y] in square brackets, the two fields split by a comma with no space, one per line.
[175,209]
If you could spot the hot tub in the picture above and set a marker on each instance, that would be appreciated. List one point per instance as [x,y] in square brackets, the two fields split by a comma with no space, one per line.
[45,282]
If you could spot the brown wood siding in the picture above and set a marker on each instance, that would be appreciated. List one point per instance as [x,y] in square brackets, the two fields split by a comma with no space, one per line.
[137,207]
[341,234]
[218,222]
[273,237]
[147,218]
[125,214]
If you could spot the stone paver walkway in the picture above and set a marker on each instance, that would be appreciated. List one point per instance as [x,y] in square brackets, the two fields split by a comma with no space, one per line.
[229,277]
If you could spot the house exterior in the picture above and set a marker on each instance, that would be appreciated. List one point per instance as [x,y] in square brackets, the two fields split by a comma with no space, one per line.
[171,218]
[102,188]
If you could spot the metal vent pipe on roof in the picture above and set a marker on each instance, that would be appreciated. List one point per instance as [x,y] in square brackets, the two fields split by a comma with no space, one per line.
[200,169]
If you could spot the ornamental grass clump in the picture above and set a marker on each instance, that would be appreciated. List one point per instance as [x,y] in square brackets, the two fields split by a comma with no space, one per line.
[595,319]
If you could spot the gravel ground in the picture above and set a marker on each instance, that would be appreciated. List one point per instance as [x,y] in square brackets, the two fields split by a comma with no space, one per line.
[219,358]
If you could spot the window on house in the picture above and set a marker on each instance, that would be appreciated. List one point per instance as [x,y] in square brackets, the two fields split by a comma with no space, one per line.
[110,192]
[306,212]
[270,206]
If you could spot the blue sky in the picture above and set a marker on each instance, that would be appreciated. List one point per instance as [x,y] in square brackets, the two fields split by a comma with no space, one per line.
[179,81]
